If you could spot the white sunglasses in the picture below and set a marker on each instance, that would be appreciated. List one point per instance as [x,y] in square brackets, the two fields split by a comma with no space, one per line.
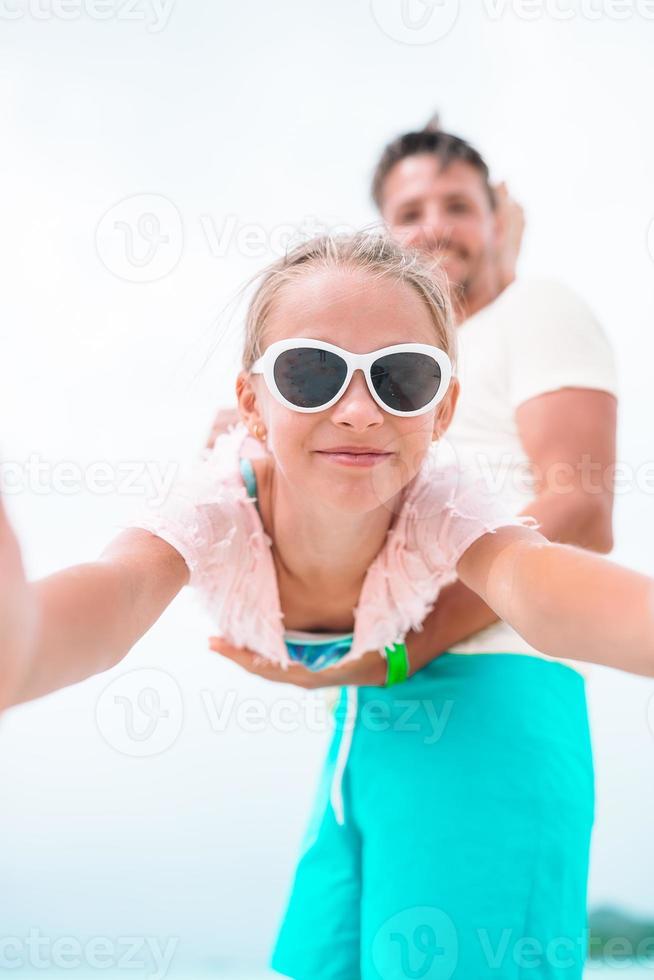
[311,375]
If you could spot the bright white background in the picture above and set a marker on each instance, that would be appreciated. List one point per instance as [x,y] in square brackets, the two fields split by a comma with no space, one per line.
[245,118]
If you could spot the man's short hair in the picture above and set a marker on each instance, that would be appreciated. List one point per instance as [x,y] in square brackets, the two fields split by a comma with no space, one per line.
[431,139]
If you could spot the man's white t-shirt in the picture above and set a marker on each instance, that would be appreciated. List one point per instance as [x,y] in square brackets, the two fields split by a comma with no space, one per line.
[536,337]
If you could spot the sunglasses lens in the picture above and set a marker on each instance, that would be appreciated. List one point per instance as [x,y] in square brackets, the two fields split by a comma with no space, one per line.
[309,377]
[406,381]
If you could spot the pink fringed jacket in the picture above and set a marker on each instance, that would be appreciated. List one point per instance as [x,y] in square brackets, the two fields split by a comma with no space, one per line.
[215,526]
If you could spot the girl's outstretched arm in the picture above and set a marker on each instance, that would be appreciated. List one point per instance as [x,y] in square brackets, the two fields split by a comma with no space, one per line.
[17,614]
[564,601]
[89,616]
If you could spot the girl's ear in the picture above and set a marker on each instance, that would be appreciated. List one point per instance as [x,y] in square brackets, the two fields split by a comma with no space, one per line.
[446,409]
[248,406]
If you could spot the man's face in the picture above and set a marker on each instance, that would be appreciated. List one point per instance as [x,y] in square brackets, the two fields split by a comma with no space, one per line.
[444,213]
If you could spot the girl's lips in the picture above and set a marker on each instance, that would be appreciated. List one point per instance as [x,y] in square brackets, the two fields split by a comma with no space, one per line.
[354,459]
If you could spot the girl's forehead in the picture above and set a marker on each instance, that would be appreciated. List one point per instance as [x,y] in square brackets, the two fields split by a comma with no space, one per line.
[337,304]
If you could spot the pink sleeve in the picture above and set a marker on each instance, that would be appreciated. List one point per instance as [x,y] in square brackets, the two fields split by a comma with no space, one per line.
[200,518]
[200,531]
[213,524]
[470,511]
[443,513]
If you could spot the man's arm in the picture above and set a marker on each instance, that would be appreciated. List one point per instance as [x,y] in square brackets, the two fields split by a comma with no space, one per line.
[510,226]
[569,436]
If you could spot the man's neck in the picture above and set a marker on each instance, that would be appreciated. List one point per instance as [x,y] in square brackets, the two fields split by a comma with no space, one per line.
[472,299]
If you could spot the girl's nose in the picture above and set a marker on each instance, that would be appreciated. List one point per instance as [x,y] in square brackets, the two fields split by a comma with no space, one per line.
[356,408]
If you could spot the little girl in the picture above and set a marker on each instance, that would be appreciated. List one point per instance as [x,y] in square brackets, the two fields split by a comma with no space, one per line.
[336,541]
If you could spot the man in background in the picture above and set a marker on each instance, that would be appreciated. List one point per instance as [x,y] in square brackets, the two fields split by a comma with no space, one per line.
[536,417]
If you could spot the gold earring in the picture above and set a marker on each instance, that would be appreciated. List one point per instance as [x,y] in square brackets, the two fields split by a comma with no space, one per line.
[259,432]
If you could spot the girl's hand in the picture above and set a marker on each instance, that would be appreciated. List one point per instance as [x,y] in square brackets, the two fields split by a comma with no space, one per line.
[366,671]
[511,226]
[18,616]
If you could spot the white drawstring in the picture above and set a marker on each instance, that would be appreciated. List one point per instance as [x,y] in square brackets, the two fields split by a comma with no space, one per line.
[336,795]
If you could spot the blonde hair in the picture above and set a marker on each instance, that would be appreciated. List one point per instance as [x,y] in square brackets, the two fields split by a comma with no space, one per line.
[372,253]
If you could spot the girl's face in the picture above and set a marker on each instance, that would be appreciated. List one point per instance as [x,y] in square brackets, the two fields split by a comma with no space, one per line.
[360,313]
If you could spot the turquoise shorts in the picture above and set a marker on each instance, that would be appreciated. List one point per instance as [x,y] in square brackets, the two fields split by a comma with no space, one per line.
[467,807]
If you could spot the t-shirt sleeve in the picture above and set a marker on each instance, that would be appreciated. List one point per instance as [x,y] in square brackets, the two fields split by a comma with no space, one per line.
[471,511]
[553,341]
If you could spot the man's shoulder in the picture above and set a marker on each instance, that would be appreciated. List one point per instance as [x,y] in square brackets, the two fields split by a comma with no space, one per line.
[546,307]
[531,293]
[552,339]
[529,301]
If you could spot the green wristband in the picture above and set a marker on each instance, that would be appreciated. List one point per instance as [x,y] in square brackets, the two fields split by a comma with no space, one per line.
[397,660]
